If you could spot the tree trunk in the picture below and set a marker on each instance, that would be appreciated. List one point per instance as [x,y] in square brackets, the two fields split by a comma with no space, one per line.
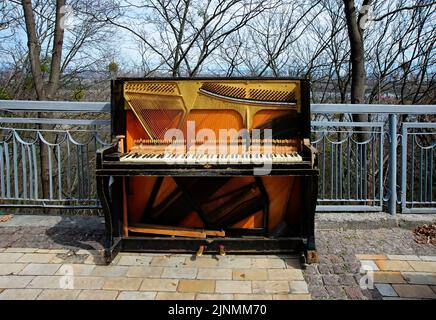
[34,49]
[44,92]
[55,68]
[357,57]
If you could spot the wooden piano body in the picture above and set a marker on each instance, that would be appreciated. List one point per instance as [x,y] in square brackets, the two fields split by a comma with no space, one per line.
[210,206]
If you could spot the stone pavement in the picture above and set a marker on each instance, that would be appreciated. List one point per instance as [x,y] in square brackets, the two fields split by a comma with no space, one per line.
[339,274]
[39,255]
[31,273]
[400,276]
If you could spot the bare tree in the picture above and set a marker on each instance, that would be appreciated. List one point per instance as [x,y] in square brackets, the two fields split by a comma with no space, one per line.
[401,53]
[183,34]
[356,25]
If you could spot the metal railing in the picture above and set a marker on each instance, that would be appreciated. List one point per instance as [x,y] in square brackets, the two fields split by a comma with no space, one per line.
[356,174]
[418,155]
[350,175]
[50,162]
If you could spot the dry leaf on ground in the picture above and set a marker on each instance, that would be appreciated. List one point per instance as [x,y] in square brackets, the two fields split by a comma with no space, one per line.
[425,233]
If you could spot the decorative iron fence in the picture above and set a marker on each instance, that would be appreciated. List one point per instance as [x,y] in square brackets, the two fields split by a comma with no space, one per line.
[49,162]
[418,162]
[69,170]
[351,177]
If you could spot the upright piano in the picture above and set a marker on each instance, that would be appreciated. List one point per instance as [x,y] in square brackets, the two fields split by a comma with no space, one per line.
[209,165]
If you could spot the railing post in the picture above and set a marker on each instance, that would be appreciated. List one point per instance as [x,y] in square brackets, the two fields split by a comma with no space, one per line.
[392,179]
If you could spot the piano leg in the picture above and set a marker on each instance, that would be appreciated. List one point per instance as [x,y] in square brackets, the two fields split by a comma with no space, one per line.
[111,243]
[310,185]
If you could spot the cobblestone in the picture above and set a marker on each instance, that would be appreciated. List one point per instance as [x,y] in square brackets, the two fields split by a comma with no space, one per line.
[337,275]
[336,292]
[354,293]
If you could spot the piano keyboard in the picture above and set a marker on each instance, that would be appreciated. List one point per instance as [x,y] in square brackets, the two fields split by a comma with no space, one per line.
[246,158]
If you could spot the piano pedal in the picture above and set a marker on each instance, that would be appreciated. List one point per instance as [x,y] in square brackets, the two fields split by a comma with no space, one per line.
[222,250]
[200,251]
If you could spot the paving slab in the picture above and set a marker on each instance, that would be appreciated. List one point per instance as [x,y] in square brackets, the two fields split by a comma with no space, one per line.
[250,274]
[285,274]
[298,287]
[75,269]
[37,258]
[414,291]
[394,265]
[20,294]
[21,250]
[159,285]
[428,258]
[97,295]
[291,297]
[9,257]
[58,294]
[11,268]
[122,283]
[386,290]
[271,286]
[232,286]
[423,266]
[134,260]
[196,286]
[214,274]
[136,295]
[144,272]
[179,273]
[420,277]
[388,277]
[213,296]
[175,296]
[14,281]
[241,296]
[405,257]
[40,269]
